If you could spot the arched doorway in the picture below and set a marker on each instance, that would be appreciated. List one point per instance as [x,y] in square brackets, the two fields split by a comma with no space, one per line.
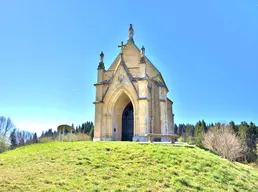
[123,119]
[128,123]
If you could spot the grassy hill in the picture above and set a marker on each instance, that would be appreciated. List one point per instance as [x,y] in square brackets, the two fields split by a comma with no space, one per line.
[120,166]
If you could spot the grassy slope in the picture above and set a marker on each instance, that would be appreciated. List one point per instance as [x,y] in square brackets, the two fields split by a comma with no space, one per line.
[120,166]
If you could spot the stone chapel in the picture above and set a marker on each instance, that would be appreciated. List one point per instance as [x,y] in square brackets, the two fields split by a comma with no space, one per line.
[131,97]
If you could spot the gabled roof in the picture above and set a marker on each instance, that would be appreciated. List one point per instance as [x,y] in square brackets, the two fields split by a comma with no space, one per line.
[130,77]
[135,79]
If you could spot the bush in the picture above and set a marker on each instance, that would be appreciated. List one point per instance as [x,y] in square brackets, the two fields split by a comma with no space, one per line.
[190,140]
[180,139]
[77,137]
[82,137]
[222,140]
[67,138]
[3,145]
[47,139]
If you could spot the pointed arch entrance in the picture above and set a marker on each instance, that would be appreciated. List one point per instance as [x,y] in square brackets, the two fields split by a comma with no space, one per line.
[128,123]
[123,119]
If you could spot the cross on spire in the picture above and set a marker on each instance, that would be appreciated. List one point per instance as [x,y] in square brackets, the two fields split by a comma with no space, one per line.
[122,47]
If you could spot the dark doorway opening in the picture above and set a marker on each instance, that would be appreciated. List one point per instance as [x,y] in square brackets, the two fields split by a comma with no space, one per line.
[127,123]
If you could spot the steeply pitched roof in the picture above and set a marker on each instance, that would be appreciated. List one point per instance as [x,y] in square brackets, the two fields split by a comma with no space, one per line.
[135,79]
[121,63]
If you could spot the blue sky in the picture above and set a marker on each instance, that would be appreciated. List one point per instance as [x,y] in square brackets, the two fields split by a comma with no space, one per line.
[207,52]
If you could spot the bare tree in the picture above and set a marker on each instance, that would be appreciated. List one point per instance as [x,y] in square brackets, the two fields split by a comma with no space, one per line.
[24,137]
[222,140]
[6,126]
[20,138]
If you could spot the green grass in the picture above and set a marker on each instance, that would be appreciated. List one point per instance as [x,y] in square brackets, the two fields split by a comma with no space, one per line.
[120,166]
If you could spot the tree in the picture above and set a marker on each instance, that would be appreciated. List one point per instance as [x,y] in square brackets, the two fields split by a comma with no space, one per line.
[181,129]
[243,130]
[6,126]
[20,138]
[92,132]
[176,129]
[233,126]
[204,126]
[13,139]
[198,133]
[35,138]
[3,144]
[189,133]
[252,136]
[222,140]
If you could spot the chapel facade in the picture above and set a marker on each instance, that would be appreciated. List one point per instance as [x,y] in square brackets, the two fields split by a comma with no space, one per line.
[131,97]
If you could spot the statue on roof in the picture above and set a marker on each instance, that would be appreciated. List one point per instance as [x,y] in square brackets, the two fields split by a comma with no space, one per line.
[101,63]
[142,60]
[130,32]
[142,51]
[101,56]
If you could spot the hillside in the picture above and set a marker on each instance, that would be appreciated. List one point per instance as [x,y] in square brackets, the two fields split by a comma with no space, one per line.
[120,166]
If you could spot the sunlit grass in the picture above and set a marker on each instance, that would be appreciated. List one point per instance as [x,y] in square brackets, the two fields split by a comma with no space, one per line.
[120,166]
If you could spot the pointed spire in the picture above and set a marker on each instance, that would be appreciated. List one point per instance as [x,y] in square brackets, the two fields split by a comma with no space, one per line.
[130,33]
[101,63]
[142,55]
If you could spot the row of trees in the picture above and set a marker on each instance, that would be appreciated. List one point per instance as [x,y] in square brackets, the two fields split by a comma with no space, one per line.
[10,137]
[20,138]
[244,134]
[87,128]
[84,128]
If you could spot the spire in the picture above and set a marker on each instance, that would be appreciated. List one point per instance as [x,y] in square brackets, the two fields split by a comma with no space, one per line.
[142,60]
[101,63]
[130,33]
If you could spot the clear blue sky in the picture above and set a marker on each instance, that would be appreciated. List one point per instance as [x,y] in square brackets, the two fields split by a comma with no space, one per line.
[207,52]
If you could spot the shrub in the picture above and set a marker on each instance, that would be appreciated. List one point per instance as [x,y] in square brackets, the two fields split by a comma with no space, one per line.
[47,139]
[77,137]
[222,140]
[180,139]
[3,145]
[67,138]
[82,137]
[190,140]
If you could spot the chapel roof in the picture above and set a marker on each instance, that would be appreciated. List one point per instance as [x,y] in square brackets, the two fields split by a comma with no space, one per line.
[132,42]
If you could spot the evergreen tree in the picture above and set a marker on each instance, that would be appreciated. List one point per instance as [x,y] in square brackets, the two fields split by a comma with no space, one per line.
[204,126]
[251,136]
[243,130]
[198,133]
[181,129]
[13,139]
[35,138]
[233,126]
[176,129]
[42,134]
[92,133]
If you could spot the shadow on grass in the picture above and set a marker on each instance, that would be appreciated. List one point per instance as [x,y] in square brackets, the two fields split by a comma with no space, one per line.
[206,149]
[186,184]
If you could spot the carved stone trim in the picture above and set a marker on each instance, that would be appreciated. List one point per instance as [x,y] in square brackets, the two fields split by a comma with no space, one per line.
[98,102]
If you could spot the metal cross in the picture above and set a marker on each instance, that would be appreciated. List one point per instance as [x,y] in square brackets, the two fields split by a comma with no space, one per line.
[122,46]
